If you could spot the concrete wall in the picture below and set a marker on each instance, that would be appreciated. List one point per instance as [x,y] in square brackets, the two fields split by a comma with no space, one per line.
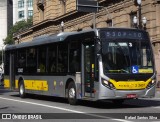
[3,21]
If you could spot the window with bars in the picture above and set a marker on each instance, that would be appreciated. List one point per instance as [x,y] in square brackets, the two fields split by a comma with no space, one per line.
[30,3]
[21,14]
[21,4]
[30,13]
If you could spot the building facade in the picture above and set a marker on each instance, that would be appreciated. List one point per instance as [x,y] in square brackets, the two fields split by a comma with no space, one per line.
[22,9]
[6,19]
[48,15]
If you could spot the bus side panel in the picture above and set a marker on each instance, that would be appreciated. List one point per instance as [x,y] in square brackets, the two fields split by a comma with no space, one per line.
[6,83]
[46,85]
[36,85]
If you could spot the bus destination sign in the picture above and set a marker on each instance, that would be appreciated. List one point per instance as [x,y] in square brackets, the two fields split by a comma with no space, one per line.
[123,34]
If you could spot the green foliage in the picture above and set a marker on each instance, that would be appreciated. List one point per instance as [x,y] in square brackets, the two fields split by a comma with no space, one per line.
[19,26]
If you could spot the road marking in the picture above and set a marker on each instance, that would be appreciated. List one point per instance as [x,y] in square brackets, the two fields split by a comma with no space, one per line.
[157,107]
[65,109]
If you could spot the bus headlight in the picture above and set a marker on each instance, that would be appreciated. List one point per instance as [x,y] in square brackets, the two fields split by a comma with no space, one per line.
[108,84]
[152,83]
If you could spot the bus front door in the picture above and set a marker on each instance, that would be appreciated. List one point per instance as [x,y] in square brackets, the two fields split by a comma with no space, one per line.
[88,69]
[12,71]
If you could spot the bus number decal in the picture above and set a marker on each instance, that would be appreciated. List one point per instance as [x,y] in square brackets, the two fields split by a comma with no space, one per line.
[130,44]
[20,70]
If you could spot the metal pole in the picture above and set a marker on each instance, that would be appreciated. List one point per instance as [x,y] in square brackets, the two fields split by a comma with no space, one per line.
[94,20]
[139,17]
[62,29]
[2,55]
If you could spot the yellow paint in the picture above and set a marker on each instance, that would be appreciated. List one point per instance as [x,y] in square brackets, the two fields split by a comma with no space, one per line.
[16,84]
[54,83]
[127,85]
[92,66]
[6,83]
[36,85]
[145,70]
[28,84]
[114,70]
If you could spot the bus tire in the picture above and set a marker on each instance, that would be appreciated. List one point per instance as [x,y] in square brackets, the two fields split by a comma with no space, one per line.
[22,93]
[72,99]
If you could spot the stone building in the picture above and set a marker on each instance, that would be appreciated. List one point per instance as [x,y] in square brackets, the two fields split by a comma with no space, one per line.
[48,15]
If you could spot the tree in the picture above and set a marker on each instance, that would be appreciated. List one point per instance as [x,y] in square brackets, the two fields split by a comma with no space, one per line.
[19,26]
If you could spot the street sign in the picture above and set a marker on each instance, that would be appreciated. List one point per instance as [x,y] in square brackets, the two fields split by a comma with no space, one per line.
[87,5]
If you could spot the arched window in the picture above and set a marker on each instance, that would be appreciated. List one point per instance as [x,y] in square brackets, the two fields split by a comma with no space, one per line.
[63,6]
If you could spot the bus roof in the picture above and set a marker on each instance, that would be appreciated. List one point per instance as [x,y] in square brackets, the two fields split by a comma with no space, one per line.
[46,39]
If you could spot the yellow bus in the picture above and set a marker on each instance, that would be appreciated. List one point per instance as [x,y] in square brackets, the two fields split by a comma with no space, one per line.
[100,64]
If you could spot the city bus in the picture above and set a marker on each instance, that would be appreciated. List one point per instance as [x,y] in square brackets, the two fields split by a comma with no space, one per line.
[114,64]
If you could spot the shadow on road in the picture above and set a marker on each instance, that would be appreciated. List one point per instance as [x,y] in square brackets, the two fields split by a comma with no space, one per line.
[134,103]
[44,98]
[2,91]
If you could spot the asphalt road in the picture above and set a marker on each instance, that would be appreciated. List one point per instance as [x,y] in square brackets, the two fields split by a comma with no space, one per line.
[47,109]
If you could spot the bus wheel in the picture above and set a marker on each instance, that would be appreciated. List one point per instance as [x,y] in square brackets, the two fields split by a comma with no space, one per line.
[72,94]
[22,93]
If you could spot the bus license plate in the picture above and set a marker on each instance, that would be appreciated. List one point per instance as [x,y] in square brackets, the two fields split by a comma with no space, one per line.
[131,95]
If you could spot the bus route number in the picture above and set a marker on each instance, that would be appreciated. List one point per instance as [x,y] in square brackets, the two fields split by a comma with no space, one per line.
[20,70]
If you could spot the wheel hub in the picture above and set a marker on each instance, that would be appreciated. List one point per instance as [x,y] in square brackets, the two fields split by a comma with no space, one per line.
[21,89]
[72,93]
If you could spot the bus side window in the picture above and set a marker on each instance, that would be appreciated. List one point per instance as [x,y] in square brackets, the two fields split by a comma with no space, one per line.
[42,59]
[74,65]
[52,51]
[21,61]
[62,58]
[31,60]
[74,56]
[21,58]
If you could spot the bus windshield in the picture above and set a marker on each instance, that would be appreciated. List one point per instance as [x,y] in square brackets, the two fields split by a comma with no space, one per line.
[126,56]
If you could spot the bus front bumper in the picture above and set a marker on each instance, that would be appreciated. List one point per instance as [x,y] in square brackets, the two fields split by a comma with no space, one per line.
[127,94]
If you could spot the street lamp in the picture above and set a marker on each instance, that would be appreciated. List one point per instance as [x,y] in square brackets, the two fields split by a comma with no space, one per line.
[139,2]
[62,26]
[141,22]
[135,20]
[144,21]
